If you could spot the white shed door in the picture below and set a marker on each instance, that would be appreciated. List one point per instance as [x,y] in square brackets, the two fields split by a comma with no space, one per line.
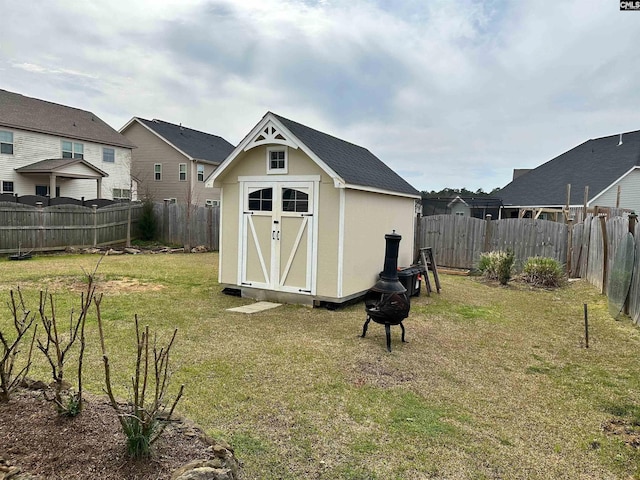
[277,236]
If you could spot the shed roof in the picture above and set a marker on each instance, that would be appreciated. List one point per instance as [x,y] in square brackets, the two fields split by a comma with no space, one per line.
[195,144]
[350,165]
[597,163]
[31,114]
[354,164]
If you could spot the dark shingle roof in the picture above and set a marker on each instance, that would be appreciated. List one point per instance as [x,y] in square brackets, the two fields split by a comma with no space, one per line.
[596,163]
[31,114]
[356,165]
[196,144]
[54,164]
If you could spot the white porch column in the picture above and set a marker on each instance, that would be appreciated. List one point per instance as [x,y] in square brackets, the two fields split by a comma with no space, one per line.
[99,180]
[52,185]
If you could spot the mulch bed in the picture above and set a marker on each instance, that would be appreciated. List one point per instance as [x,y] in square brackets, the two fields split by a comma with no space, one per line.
[90,445]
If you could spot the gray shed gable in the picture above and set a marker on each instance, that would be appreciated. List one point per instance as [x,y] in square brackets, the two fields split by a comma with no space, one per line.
[597,163]
[354,164]
[198,145]
[31,114]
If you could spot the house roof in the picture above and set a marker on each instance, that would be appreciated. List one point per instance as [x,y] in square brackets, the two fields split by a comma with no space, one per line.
[31,114]
[354,164]
[55,165]
[194,144]
[597,163]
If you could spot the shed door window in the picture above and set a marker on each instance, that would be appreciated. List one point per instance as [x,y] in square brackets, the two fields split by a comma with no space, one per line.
[261,200]
[294,201]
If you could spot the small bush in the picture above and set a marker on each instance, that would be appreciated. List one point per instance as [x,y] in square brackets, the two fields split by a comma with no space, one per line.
[543,272]
[147,224]
[497,265]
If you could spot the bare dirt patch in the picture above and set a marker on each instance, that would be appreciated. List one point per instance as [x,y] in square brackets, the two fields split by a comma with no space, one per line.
[91,445]
[115,286]
[626,431]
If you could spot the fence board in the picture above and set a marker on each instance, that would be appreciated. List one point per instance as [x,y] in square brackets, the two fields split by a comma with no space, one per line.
[26,227]
[203,227]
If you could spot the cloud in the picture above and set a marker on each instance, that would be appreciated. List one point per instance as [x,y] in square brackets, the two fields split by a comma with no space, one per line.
[451,93]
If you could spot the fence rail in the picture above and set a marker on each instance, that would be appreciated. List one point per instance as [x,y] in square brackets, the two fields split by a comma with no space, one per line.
[28,228]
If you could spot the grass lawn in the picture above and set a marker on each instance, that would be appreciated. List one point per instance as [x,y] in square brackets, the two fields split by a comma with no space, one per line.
[494,382]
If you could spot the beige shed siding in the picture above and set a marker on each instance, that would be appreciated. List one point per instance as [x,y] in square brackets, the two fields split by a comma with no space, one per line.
[30,147]
[229,253]
[629,193]
[368,217]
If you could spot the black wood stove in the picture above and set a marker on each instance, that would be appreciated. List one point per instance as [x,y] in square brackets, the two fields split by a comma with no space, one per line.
[387,302]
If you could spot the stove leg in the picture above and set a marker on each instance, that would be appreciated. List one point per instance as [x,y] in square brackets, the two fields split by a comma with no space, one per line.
[402,327]
[365,326]
[387,329]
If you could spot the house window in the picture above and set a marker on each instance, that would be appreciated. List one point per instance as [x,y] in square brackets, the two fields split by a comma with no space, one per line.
[108,155]
[460,214]
[212,203]
[157,172]
[294,201]
[43,190]
[72,150]
[182,172]
[121,194]
[201,173]
[276,160]
[7,187]
[6,142]
[261,200]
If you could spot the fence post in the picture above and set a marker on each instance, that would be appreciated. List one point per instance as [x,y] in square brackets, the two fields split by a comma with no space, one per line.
[488,233]
[569,244]
[165,221]
[95,225]
[209,210]
[129,225]
[40,240]
[605,253]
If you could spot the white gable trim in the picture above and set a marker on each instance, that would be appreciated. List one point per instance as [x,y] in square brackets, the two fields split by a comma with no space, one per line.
[246,144]
[271,134]
[378,190]
[605,190]
[136,119]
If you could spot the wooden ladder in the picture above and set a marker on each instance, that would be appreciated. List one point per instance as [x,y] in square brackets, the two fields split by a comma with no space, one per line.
[428,262]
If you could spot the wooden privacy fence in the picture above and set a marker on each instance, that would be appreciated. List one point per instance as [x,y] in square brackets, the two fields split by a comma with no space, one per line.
[458,241]
[594,245]
[179,224]
[39,228]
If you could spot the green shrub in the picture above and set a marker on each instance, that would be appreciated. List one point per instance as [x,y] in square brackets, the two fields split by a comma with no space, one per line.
[148,223]
[543,272]
[497,265]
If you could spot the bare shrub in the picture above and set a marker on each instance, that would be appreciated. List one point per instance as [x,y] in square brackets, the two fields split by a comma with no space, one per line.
[145,417]
[22,322]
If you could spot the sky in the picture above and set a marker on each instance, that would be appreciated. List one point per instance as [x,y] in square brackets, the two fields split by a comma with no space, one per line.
[448,93]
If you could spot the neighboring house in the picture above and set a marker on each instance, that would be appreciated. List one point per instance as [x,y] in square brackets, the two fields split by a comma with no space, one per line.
[172,161]
[52,149]
[477,207]
[304,215]
[609,166]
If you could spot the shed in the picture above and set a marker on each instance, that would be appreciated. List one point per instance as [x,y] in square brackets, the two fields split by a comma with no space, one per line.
[304,214]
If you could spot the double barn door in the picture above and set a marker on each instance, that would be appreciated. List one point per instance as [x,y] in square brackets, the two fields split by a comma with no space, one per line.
[277,236]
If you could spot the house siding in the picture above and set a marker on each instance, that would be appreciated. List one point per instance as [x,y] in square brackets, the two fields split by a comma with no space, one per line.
[152,150]
[629,193]
[31,147]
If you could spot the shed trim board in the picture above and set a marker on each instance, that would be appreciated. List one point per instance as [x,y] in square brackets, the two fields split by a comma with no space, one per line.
[341,216]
